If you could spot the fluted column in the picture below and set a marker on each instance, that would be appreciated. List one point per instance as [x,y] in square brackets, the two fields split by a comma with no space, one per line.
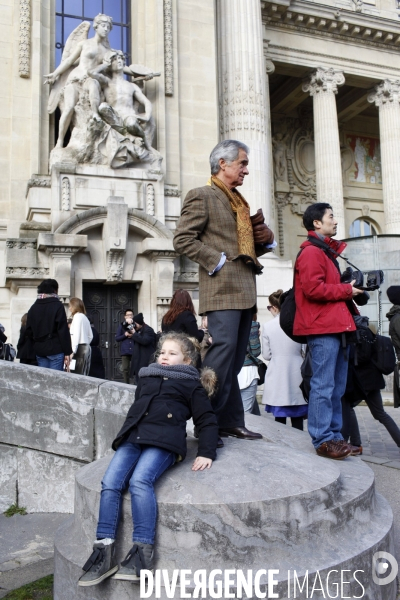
[387,97]
[322,85]
[243,94]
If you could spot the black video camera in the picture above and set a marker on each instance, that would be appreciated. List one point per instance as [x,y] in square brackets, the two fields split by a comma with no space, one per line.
[374,279]
[128,326]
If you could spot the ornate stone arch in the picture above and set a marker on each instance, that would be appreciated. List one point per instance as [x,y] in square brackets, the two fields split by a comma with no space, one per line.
[137,219]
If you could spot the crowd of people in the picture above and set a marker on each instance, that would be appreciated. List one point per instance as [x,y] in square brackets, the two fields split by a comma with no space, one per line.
[211,373]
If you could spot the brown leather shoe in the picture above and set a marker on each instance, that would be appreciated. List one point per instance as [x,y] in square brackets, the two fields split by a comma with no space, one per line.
[240,432]
[335,449]
[355,450]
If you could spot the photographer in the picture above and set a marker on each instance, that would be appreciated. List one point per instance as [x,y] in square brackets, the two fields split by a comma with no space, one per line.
[145,341]
[124,334]
[323,313]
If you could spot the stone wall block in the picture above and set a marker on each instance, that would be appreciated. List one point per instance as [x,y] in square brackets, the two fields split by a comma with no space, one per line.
[46,481]
[8,477]
[46,410]
[107,425]
[61,426]
[115,397]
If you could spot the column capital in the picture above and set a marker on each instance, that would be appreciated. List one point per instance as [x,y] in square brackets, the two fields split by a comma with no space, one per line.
[386,91]
[323,80]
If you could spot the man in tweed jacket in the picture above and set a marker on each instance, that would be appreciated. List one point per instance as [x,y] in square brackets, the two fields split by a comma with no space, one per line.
[207,233]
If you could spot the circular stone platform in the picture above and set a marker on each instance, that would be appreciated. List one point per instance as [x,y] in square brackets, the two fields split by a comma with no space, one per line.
[270,504]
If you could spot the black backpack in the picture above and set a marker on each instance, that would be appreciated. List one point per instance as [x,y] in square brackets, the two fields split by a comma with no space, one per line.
[288,311]
[384,355]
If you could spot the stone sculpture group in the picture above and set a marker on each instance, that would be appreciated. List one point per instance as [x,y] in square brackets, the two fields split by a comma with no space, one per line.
[110,117]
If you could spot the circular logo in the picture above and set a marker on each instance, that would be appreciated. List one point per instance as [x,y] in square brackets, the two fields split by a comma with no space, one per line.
[95,299]
[122,299]
[384,568]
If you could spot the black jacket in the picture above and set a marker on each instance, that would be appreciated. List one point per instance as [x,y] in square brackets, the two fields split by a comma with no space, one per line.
[185,322]
[363,377]
[25,353]
[159,414]
[145,342]
[96,362]
[47,326]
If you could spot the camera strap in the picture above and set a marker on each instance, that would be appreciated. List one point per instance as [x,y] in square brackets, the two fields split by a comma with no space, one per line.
[329,252]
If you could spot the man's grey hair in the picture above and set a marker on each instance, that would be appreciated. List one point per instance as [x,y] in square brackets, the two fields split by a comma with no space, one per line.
[228,150]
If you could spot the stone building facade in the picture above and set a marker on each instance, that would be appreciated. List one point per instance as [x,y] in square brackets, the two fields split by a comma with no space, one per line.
[312,88]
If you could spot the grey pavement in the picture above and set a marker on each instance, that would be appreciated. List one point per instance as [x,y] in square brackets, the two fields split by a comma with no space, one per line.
[26,542]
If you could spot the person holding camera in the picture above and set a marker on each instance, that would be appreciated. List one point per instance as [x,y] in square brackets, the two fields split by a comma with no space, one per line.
[145,342]
[124,335]
[324,311]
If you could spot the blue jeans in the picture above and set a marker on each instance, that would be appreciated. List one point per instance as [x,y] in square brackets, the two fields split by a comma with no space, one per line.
[55,362]
[248,396]
[140,466]
[328,384]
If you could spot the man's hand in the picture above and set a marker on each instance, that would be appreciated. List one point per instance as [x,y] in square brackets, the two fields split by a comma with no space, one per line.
[66,362]
[128,334]
[261,232]
[201,463]
[355,291]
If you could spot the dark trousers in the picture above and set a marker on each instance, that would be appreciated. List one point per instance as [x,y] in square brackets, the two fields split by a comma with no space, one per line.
[374,402]
[230,332]
[126,366]
[297,422]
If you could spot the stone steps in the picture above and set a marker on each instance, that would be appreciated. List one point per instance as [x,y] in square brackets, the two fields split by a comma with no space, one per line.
[263,505]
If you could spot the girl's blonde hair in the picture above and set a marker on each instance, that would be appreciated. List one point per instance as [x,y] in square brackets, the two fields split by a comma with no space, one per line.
[187,347]
[76,306]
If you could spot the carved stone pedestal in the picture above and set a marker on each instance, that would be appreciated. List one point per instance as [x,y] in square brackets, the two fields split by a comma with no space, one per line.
[263,505]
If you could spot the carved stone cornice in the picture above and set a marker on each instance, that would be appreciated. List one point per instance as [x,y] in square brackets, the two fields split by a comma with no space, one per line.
[21,244]
[38,181]
[172,192]
[168,49]
[27,272]
[386,91]
[323,80]
[326,21]
[24,42]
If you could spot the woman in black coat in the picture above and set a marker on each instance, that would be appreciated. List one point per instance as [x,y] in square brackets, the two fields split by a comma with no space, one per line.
[365,382]
[96,364]
[181,316]
[26,353]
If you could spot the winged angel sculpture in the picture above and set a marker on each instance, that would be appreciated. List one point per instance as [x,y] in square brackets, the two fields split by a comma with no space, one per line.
[110,117]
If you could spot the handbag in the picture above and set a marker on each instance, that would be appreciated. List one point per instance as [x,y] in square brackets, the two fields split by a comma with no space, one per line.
[7,352]
[261,367]
[288,312]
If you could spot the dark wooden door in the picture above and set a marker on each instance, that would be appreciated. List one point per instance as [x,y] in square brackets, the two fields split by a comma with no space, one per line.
[106,305]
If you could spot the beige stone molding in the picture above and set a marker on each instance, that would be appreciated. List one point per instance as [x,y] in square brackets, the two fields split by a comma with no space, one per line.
[27,272]
[24,42]
[38,181]
[168,49]
[323,80]
[65,194]
[366,28]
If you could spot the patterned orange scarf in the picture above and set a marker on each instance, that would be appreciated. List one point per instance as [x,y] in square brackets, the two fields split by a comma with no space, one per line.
[243,224]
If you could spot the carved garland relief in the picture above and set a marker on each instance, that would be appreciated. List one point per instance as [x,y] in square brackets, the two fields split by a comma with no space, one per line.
[168,49]
[24,42]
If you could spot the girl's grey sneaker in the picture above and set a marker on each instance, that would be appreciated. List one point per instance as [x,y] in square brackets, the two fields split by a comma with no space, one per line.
[99,565]
[140,556]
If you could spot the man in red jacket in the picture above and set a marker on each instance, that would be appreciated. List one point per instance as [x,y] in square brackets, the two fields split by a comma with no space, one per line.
[323,314]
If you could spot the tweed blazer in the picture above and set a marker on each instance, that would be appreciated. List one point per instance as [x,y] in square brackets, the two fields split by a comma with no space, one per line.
[207,227]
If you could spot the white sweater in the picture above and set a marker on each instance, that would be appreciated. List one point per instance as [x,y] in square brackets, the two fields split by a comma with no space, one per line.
[81,331]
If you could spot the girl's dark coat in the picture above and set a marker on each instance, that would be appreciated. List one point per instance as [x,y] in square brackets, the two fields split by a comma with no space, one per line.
[160,411]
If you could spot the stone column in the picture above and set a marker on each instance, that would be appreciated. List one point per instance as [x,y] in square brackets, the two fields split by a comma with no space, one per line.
[243,94]
[387,97]
[322,85]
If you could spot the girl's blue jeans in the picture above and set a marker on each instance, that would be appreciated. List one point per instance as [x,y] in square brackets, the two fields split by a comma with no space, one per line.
[140,467]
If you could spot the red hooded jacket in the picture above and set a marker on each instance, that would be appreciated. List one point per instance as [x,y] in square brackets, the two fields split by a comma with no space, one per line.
[320,297]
